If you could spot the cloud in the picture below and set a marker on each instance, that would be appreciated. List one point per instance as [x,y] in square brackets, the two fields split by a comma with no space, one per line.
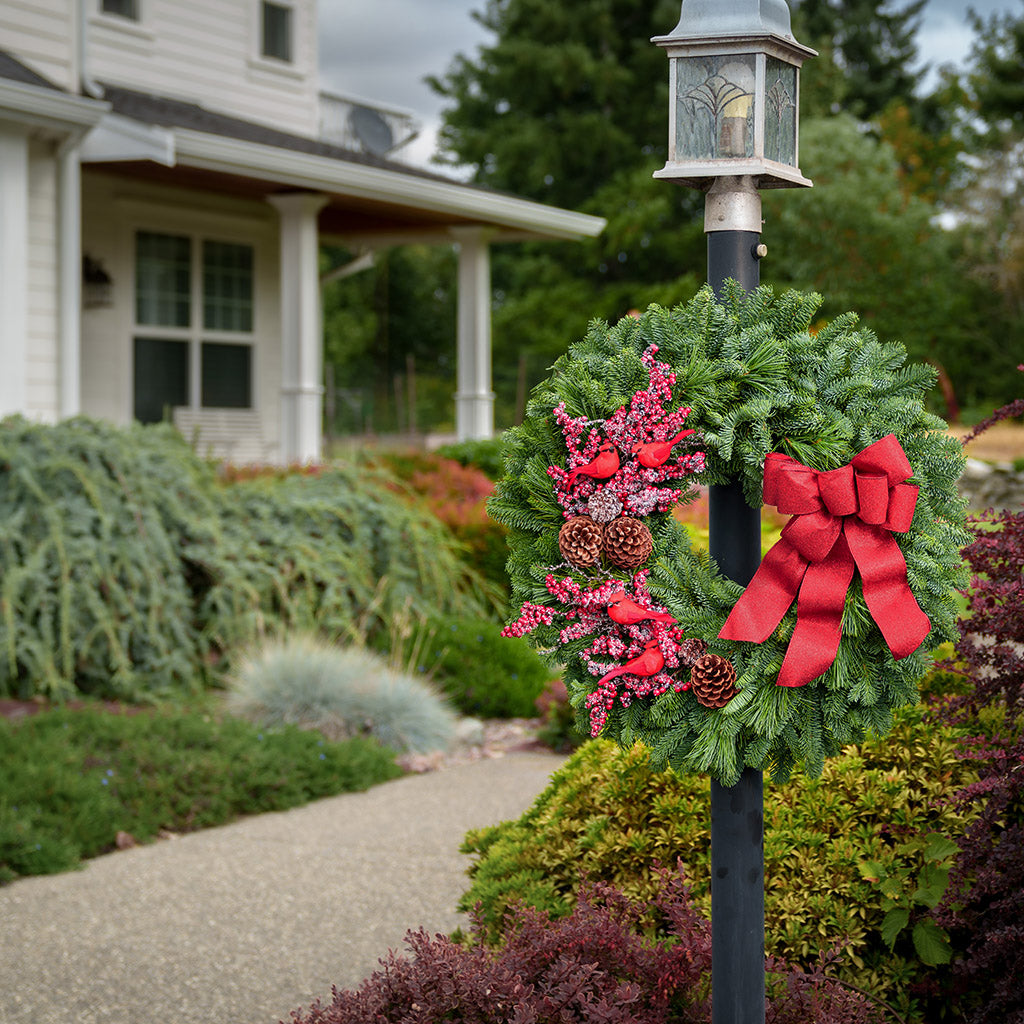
[382,49]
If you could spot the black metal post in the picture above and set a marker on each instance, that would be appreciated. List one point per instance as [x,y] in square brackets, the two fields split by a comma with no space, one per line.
[737,812]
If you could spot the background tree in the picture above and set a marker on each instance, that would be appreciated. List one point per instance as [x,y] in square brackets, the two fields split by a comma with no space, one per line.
[992,129]
[568,105]
[866,52]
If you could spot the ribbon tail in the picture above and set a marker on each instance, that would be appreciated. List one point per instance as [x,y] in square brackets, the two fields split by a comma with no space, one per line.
[819,617]
[887,592]
[768,595]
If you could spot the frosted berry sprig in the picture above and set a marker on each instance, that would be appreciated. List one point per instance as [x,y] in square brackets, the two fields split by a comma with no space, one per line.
[633,459]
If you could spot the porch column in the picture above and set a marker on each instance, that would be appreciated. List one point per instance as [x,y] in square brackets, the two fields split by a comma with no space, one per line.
[474,399]
[69,277]
[13,271]
[301,336]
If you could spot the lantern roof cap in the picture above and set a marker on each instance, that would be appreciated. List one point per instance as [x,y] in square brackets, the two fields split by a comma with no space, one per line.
[733,17]
[705,23]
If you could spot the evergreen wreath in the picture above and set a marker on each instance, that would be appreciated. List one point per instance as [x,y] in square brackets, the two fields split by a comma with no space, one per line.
[604,576]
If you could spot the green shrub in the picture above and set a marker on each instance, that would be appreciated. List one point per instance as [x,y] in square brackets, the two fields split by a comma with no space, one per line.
[607,814]
[341,692]
[338,553]
[558,730]
[457,494]
[482,672]
[91,527]
[128,570]
[484,454]
[73,779]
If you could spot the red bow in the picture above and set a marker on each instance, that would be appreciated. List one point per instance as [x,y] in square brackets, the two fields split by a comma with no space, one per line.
[842,519]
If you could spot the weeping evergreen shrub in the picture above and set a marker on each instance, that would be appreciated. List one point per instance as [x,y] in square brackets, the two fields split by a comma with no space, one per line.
[127,569]
[93,593]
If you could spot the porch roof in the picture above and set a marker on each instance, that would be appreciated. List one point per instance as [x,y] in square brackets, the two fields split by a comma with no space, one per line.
[371,200]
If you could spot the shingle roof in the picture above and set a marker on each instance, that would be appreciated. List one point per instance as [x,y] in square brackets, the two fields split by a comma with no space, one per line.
[171,113]
[14,70]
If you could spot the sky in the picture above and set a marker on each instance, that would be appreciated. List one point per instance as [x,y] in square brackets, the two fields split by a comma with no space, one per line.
[380,50]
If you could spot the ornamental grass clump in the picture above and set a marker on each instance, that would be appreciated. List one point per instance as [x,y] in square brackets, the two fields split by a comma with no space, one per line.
[341,692]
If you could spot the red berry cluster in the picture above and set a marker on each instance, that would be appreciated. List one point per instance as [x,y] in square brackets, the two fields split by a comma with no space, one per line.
[586,613]
[630,455]
[644,422]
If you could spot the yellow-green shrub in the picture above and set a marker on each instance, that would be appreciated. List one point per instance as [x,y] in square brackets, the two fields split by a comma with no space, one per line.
[607,814]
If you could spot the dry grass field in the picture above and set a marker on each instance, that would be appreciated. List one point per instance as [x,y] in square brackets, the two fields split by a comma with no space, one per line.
[1003,442]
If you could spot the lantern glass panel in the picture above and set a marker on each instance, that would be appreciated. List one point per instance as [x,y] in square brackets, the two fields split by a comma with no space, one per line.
[715,107]
[780,112]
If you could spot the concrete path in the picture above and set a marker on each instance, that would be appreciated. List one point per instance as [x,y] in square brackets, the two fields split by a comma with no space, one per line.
[244,923]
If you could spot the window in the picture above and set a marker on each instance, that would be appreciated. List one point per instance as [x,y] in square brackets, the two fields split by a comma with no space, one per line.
[227,286]
[163,279]
[226,376]
[276,36]
[182,358]
[160,372]
[121,8]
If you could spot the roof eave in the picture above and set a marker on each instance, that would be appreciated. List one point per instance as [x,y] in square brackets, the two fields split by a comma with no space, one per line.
[51,109]
[523,217]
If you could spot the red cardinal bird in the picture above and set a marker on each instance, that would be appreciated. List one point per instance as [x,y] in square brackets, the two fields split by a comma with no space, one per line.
[628,612]
[605,465]
[656,453]
[649,663]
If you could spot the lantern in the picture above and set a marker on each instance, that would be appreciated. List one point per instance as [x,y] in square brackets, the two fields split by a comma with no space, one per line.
[734,91]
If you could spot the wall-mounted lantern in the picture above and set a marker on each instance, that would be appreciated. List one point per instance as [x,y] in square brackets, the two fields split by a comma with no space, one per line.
[734,94]
[97,286]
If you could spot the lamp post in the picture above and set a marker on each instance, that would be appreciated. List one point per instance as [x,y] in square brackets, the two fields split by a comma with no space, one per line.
[733,130]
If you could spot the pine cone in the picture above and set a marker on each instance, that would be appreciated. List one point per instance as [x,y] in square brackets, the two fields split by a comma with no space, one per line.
[627,542]
[604,506]
[580,540]
[691,650]
[712,680]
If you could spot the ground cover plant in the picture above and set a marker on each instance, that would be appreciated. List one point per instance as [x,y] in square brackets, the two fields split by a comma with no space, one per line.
[484,674]
[74,779]
[129,569]
[595,965]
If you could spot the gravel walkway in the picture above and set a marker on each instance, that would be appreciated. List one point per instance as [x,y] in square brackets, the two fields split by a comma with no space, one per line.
[244,923]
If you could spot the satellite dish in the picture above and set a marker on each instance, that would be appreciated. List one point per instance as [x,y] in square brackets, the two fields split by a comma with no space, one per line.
[372,131]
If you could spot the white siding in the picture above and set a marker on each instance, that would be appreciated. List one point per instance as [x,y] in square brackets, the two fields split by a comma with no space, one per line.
[206,51]
[113,210]
[42,389]
[41,34]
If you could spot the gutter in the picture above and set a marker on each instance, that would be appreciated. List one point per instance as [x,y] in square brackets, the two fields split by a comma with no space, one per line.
[332,176]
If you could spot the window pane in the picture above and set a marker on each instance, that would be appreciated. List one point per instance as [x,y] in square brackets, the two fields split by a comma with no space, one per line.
[714,107]
[277,31]
[122,8]
[226,376]
[780,114]
[227,286]
[161,377]
[163,279]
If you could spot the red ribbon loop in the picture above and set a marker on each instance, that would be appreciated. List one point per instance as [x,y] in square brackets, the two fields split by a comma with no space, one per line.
[843,519]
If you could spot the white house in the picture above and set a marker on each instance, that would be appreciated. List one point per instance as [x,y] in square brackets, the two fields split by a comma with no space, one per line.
[163,190]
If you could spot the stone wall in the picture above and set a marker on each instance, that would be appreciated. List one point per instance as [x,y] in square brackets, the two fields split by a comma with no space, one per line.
[986,485]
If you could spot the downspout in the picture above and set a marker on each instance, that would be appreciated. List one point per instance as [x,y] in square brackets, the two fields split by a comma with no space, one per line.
[89,86]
